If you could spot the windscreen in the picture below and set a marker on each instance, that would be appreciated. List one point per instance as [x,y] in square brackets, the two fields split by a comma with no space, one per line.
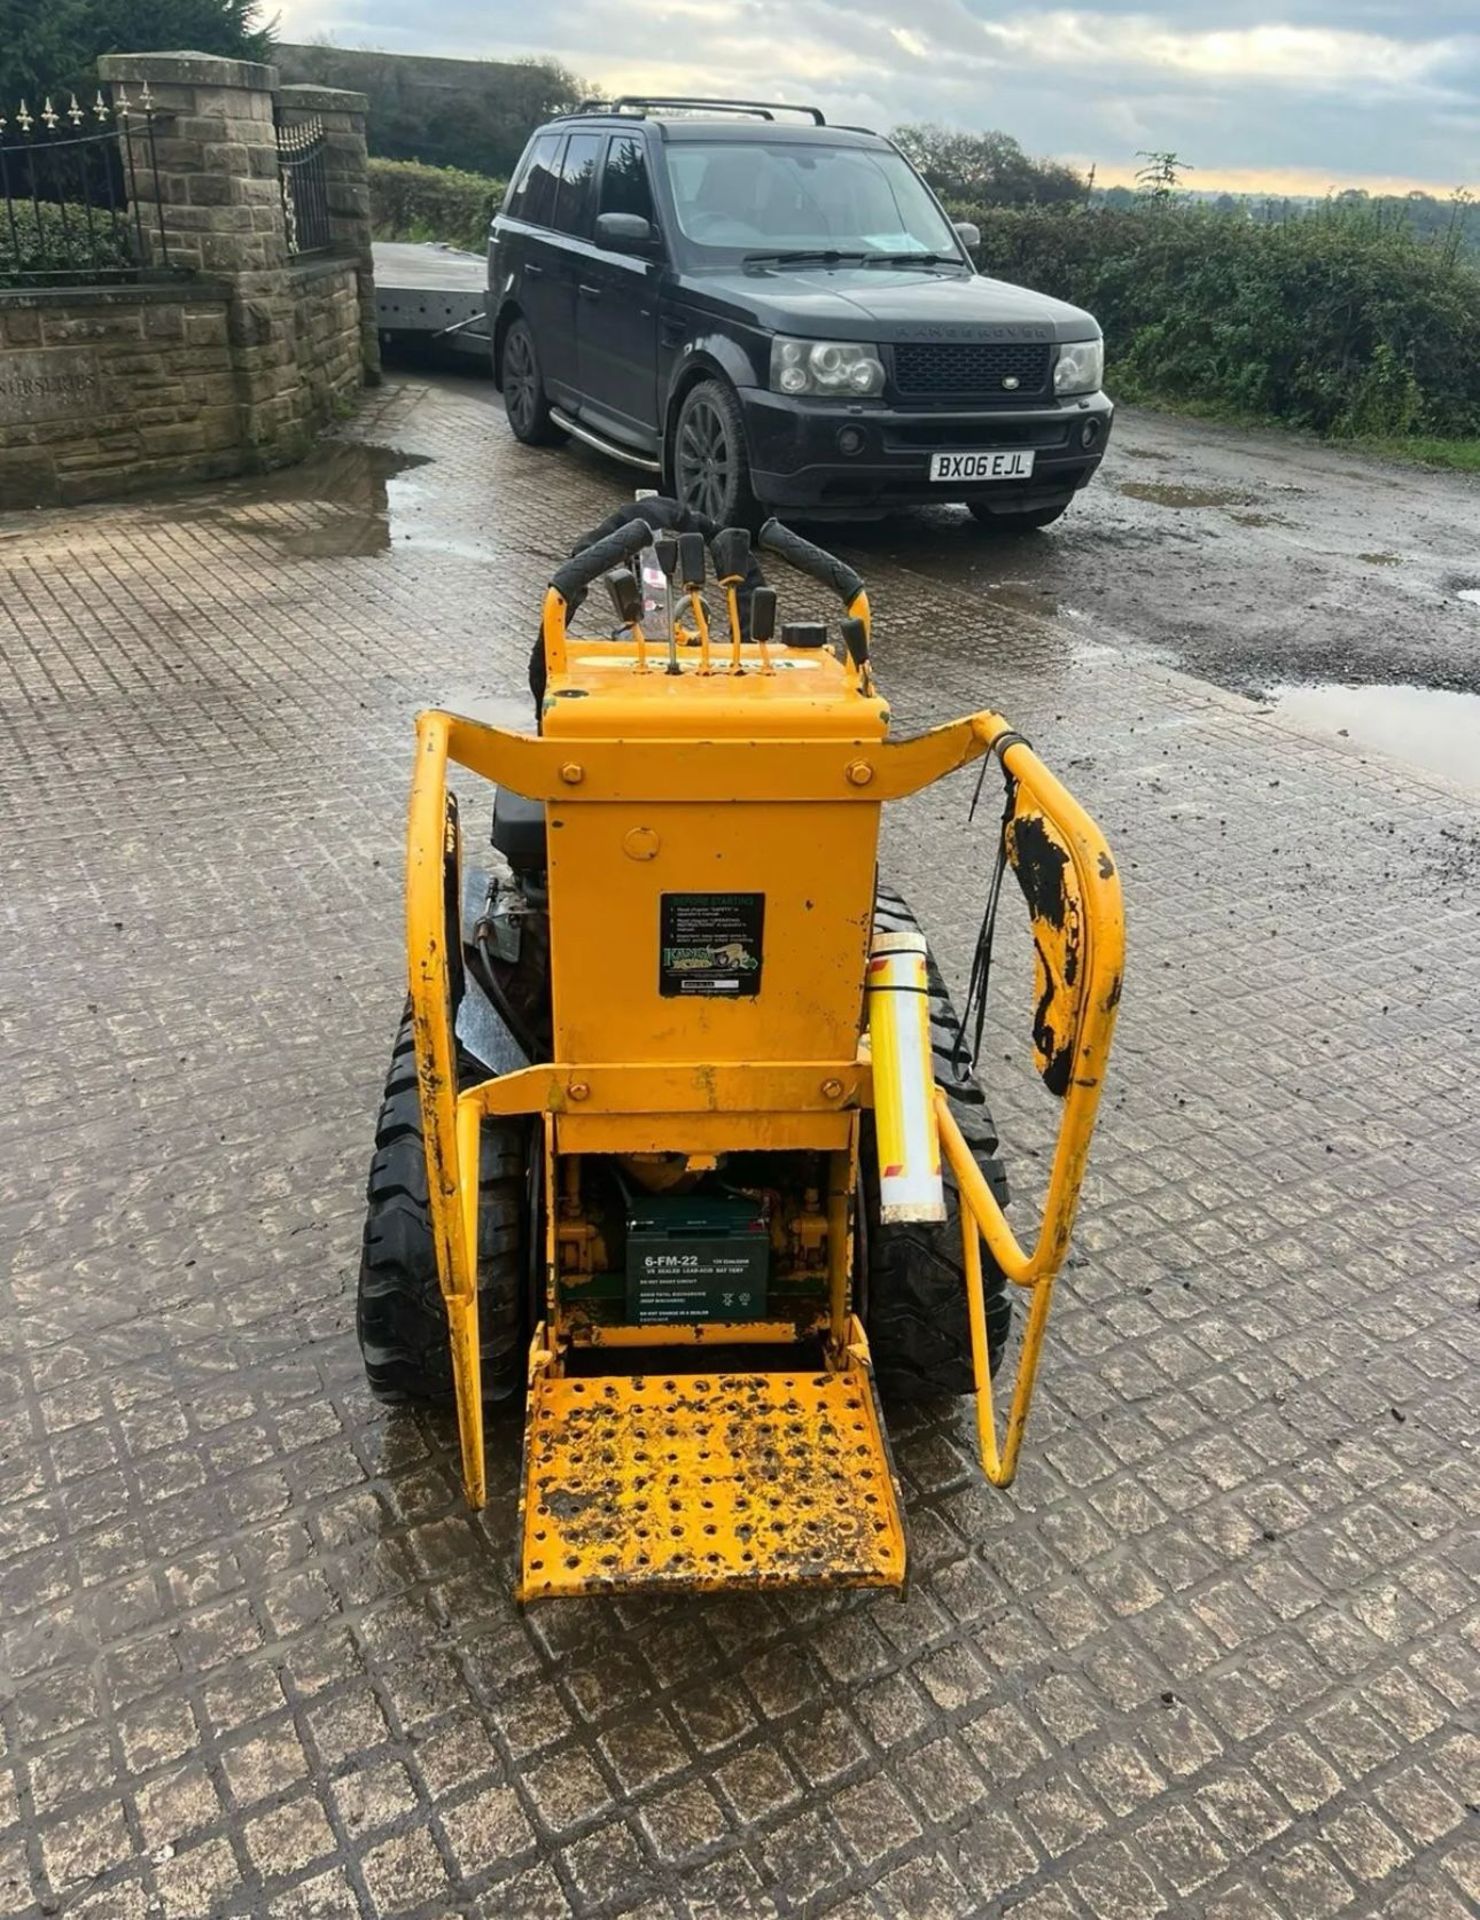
[739,197]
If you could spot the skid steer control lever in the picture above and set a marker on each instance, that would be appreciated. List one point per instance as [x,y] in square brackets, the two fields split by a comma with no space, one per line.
[691,559]
[665,549]
[626,598]
[730,551]
[763,622]
[626,595]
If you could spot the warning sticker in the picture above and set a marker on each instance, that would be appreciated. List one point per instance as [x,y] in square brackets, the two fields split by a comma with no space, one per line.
[710,943]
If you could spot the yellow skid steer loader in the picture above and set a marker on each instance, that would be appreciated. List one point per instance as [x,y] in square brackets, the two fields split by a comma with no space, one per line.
[681,1139]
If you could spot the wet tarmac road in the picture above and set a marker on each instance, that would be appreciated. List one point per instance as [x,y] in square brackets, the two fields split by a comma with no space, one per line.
[1214,1655]
[1251,559]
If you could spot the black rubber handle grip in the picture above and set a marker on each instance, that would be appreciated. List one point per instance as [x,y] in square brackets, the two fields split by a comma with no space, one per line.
[665,549]
[730,551]
[571,579]
[825,568]
[626,596]
[763,613]
[691,560]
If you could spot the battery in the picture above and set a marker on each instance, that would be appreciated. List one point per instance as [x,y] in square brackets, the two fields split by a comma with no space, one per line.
[696,1257]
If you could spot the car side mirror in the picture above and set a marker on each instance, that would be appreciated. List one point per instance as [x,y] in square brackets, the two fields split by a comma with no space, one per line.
[625,233]
[968,233]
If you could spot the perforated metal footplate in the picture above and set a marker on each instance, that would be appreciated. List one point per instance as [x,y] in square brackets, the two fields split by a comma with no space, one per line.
[707,1481]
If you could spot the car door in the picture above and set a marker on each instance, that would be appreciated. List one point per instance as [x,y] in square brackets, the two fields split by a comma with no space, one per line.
[617,307]
[526,263]
[566,246]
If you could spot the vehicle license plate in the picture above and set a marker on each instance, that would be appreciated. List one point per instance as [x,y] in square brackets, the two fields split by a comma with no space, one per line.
[1017,465]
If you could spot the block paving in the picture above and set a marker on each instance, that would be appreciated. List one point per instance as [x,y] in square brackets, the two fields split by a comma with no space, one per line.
[1214,1655]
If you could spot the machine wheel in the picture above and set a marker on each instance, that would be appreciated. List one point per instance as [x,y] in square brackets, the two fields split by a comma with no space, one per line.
[711,457]
[915,1315]
[524,390]
[400,1318]
[1015,522]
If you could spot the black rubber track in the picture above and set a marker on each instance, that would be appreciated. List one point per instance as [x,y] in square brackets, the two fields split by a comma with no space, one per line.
[401,1319]
[917,1324]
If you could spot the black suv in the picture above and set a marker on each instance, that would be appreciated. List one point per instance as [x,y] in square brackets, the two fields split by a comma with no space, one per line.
[778,315]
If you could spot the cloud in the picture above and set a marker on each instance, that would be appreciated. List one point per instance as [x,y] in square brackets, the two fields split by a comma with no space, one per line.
[1303,57]
[1339,89]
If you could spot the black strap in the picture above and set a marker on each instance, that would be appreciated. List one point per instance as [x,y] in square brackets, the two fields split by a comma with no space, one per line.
[1009,737]
[974,1014]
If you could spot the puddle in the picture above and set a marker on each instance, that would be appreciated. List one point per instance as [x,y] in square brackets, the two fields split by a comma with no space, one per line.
[1163,494]
[1470,594]
[1380,559]
[354,487]
[1259,519]
[1430,727]
[1145,453]
[1022,597]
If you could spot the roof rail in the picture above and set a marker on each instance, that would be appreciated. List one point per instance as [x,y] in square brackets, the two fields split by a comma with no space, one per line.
[641,104]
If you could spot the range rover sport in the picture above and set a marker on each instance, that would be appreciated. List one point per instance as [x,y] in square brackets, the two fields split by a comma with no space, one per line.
[776,315]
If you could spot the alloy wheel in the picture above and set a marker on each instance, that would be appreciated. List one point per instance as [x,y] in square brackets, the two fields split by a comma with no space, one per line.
[706,460]
[521,383]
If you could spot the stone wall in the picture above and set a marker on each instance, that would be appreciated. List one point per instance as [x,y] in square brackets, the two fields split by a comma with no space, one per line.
[230,353]
[102,390]
[327,349]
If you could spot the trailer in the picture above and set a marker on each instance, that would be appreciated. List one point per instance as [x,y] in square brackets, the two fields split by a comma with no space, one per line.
[431,296]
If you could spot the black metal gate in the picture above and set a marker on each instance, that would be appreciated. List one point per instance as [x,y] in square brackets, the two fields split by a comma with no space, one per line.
[303,171]
[79,193]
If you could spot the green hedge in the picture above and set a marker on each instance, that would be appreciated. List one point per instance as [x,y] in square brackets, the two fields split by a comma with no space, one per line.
[411,202]
[59,242]
[1331,321]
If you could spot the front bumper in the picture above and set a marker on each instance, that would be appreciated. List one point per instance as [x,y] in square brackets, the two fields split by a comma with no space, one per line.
[797,459]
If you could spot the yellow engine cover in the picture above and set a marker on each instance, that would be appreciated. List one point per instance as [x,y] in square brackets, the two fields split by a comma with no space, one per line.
[779,887]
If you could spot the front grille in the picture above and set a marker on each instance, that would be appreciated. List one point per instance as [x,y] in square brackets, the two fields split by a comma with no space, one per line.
[970,370]
[965,428]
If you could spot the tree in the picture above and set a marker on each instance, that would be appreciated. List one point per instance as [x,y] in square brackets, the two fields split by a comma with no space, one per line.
[986,169]
[1162,174]
[52,47]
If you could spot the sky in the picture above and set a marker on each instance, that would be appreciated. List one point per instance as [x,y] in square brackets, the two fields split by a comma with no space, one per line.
[1256,95]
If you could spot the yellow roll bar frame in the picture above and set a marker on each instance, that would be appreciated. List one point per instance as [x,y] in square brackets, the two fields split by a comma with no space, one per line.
[1102,962]
[800,770]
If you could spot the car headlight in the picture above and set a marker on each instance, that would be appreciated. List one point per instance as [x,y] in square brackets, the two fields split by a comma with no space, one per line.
[825,366]
[1080,367]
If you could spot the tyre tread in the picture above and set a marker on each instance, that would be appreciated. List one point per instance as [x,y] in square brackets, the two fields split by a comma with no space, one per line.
[400,1315]
[918,1327]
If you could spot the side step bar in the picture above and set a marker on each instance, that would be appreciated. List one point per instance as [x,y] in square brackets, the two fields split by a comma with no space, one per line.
[612,448]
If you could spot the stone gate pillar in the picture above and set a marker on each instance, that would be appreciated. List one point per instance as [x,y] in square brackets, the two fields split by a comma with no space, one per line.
[212,204]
